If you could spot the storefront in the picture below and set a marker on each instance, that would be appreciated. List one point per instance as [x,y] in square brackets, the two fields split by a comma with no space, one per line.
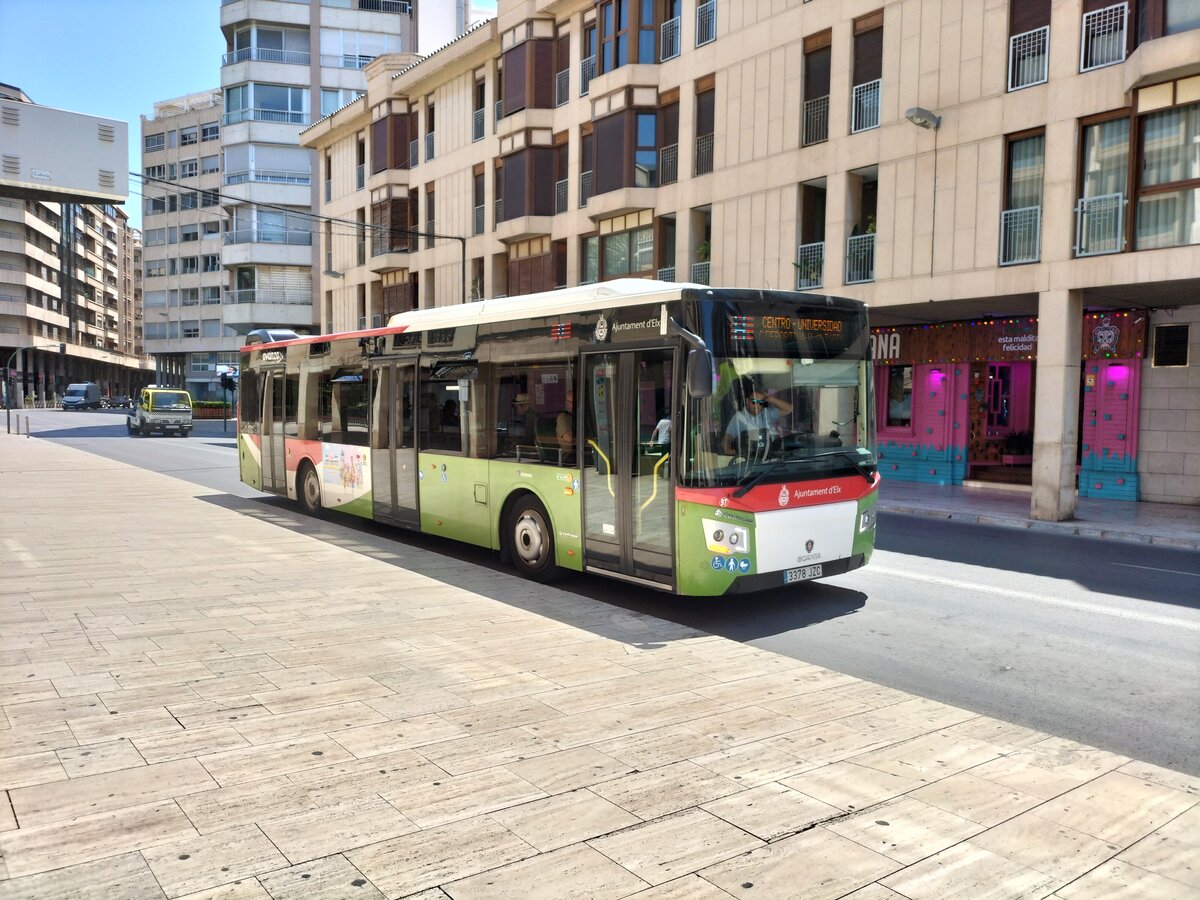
[955,401]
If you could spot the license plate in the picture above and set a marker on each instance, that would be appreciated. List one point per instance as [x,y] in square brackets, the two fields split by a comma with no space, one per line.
[804,573]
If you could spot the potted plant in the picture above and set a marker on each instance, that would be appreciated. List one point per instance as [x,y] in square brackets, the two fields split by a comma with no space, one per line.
[1018,449]
[703,251]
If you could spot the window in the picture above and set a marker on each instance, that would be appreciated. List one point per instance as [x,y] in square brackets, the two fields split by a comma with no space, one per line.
[1028,43]
[628,252]
[534,412]
[1170,345]
[210,131]
[188,200]
[342,416]
[1159,18]
[1168,203]
[817,55]
[209,198]
[189,233]
[188,136]
[1021,221]
[189,168]
[153,142]
[154,237]
[210,295]
[210,164]
[614,35]
[211,228]
[645,154]
[868,72]
[899,396]
[189,265]
[1104,164]
[190,329]
[210,328]
[189,297]
[159,171]
[211,262]
[155,267]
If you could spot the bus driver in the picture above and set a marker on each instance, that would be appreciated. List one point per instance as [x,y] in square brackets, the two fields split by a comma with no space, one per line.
[759,412]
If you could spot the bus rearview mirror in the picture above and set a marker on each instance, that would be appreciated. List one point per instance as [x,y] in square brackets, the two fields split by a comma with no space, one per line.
[700,373]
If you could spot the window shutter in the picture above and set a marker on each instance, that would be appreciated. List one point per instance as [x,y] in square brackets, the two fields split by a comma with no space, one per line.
[1171,345]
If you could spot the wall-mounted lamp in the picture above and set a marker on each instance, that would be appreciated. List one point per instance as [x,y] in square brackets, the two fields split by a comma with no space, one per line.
[923,118]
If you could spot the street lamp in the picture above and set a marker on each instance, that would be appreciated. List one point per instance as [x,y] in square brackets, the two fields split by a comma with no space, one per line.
[923,118]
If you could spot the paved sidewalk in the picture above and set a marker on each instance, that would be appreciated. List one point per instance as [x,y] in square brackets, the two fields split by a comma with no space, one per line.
[210,697]
[1167,524]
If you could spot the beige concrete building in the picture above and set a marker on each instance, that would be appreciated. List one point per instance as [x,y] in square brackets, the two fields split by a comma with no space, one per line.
[1024,166]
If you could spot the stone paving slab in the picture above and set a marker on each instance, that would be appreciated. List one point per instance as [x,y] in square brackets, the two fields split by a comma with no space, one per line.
[295,710]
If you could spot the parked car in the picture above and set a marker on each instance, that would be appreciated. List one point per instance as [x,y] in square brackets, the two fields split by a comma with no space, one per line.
[164,410]
[120,402]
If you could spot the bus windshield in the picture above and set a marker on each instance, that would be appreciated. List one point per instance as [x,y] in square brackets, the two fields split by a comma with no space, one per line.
[774,420]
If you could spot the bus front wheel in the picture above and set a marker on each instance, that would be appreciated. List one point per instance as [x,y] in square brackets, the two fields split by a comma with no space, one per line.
[310,489]
[531,542]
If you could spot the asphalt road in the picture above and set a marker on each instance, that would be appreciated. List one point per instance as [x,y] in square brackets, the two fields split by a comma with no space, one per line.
[1093,640]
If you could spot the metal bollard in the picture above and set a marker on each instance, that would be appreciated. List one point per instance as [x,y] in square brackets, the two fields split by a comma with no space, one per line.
[26,427]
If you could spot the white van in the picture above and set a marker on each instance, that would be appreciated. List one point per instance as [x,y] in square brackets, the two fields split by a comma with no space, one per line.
[82,396]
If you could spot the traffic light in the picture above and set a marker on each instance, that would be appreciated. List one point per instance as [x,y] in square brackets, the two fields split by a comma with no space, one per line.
[228,381]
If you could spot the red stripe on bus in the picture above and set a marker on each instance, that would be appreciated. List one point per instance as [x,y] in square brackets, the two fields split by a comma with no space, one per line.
[318,338]
[789,495]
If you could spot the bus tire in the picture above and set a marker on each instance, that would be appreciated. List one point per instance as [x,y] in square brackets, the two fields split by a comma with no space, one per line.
[531,540]
[308,488]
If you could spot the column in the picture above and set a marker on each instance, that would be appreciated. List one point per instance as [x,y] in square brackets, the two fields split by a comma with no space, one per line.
[1056,405]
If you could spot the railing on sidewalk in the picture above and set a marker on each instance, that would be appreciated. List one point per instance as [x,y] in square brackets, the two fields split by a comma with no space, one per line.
[1100,225]
[860,258]
[1020,235]
[810,266]
[865,106]
[1104,40]
[1028,58]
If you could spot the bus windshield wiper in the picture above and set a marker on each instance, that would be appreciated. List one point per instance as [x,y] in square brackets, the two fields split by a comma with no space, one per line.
[849,455]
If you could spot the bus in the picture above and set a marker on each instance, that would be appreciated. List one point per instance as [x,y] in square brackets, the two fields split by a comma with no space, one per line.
[699,440]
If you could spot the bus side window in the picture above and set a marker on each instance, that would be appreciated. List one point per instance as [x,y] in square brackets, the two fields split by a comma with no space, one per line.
[249,402]
[291,405]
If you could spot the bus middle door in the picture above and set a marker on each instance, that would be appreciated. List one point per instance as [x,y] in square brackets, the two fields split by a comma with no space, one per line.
[393,443]
[628,507]
[274,465]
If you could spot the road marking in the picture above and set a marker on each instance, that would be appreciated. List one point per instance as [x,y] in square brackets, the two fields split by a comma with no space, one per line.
[1156,569]
[1077,605]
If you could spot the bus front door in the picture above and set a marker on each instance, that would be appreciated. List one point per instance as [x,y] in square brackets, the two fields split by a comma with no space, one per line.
[393,444]
[274,468]
[628,526]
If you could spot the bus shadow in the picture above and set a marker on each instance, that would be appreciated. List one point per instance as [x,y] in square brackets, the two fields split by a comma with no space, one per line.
[613,609]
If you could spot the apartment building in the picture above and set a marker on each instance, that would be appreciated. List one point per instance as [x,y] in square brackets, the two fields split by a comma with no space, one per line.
[1012,185]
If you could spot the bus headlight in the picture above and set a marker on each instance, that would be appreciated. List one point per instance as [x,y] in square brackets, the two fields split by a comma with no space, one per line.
[866,520]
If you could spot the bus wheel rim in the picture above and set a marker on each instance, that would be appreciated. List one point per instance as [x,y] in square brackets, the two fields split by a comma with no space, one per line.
[312,489]
[530,537]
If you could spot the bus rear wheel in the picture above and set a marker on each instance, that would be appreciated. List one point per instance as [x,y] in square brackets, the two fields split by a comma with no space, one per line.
[531,542]
[309,489]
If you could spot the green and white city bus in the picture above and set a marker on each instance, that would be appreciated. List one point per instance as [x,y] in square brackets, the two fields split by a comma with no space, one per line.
[699,440]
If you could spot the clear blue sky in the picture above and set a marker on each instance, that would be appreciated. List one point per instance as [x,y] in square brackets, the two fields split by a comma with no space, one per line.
[113,58]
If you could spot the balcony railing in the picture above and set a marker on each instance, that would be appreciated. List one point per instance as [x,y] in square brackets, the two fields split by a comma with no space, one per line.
[1100,225]
[430,146]
[270,176]
[668,47]
[499,110]
[430,232]
[587,71]
[263,54]
[704,154]
[560,196]
[360,176]
[477,125]
[700,272]
[1028,58]
[668,164]
[283,298]
[478,219]
[706,25]
[498,212]
[328,189]
[404,7]
[816,121]
[414,153]
[585,188]
[666,273]
[267,235]
[283,116]
[865,106]
[1020,235]
[860,258]
[810,266]
[1103,42]
[562,87]
[345,60]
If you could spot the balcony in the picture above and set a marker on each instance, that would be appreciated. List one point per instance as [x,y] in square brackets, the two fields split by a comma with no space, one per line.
[562,87]
[1104,37]
[860,258]
[704,154]
[706,25]
[669,40]
[587,71]
[403,7]
[701,272]
[345,60]
[668,164]
[1028,58]
[560,196]
[249,308]
[430,145]
[280,116]
[1100,225]
[810,266]
[585,188]
[272,176]
[816,121]
[275,297]
[477,125]
[268,235]
[262,54]
[864,111]
[1020,235]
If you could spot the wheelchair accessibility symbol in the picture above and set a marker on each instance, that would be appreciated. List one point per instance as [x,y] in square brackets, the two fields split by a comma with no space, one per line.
[718,563]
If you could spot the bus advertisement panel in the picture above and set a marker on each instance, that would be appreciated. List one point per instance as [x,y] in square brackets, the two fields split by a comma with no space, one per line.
[704,441]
